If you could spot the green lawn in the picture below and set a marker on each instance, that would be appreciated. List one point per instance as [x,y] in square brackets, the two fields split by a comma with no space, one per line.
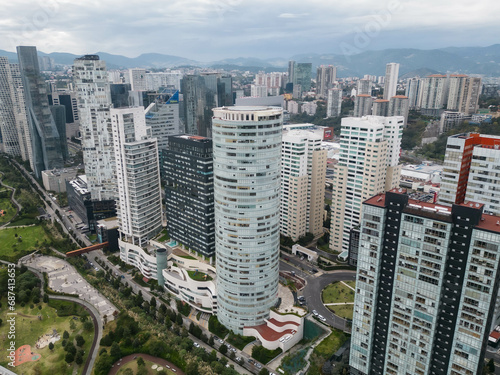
[164,236]
[344,311]
[239,341]
[29,328]
[337,292]
[331,344]
[187,257]
[9,208]
[199,276]
[12,248]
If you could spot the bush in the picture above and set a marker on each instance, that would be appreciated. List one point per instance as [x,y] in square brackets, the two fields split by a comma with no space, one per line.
[264,355]
[216,327]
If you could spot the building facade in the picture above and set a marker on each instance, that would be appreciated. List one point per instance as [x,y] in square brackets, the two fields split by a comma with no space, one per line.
[137,175]
[427,284]
[334,103]
[247,154]
[303,174]
[94,101]
[470,165]
[399,106]
[302,77]
[368,164]
[46,149]
[189,192]
[391,80]
[363,105]
[325,79]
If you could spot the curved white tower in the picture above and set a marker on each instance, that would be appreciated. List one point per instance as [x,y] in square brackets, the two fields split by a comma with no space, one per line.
[247,155]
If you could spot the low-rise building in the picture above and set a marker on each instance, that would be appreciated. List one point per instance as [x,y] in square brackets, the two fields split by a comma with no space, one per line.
[55,179]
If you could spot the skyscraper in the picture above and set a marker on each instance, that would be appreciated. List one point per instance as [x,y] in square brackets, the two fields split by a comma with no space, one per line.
[303,174]
[391,80]
[45,141]
[138,176]
[368,164]
[470,171]
[162,116]
[399,106]
[189,192]
[433,92]
[362,105]
[291,71]
[94,101]
[247,153]
[380,107]
[196,109]
[59,115]
[463,94]
[302,76]
[137,78]
[14,131]
[325,79]
[427,284]
[334,103]
[412,92]
[364,87]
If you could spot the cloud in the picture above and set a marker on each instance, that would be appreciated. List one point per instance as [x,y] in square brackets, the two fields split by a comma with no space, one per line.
[292,15]
[215,29]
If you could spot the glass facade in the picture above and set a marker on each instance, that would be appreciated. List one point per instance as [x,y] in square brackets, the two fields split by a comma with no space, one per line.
[247,165]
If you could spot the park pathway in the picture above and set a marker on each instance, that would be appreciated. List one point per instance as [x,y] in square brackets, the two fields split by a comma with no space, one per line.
[16,203]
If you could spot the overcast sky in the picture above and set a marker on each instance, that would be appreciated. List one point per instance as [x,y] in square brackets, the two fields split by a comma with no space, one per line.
[208,30]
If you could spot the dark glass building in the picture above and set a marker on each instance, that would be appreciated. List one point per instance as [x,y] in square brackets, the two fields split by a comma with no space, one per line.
[59,115]
[189,192]
[45,141]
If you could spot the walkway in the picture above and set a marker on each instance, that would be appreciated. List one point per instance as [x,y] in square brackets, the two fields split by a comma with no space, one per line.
[347,285]
[133,357]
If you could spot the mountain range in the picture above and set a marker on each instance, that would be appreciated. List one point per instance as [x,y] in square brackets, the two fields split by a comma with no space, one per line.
[466,60]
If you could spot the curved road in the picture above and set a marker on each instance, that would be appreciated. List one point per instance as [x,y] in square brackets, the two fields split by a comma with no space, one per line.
[98,327]
[159,361]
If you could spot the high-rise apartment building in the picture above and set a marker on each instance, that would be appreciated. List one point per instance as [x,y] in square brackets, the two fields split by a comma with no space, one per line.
[291,71]
[380,107]
[463,94]
[471,163]
[364,87]
[399,106]
[14,130]
[412,92]
[325,79]
[258,91]
[137,78]
[426,288]
[137,175]
[362,105]
[433,92]
[391,80]
[334,103]
[94,102]
[303,174]
[45,141]
[368,165]
[189,192]
[247,154]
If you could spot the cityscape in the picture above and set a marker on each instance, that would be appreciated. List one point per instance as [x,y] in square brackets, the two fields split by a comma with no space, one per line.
[324,214]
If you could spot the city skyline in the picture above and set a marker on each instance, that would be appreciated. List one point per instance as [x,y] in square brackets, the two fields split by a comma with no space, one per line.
[206,30]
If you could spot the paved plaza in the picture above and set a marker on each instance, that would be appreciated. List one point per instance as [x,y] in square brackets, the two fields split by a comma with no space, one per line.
[64,278]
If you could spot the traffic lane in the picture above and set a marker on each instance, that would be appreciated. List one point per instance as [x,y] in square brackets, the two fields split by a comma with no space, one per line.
[312,294]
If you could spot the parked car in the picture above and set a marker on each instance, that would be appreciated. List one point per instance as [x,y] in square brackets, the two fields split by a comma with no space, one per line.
[322,318]
[196,345]
[315,313]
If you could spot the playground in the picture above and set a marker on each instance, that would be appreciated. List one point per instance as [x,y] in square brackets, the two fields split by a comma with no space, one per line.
[24,354]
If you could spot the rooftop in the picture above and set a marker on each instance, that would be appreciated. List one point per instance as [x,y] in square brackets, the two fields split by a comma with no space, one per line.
[270,334]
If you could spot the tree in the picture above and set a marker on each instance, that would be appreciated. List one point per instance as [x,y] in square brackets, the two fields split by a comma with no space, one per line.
[78,358]
[153,302]
[140,362]
[46,298]
[51,346]
[192,368]
[211,341]
[115,350]
[178,319]
[142,371]
[87,326]
[491,366]
[72,325]
[70,357]
[79,340]
[264,371]
[223,349]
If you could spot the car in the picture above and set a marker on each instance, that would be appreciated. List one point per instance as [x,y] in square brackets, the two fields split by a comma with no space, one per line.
[300,298]
[259,366]
[97,269]
[250,360]
[216,338]
[287,259]
[322,318]
[196,345]
[221,341]
[238,359]
[167,366]
[314,270]
[173,369]
[233,349]
[315,313]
